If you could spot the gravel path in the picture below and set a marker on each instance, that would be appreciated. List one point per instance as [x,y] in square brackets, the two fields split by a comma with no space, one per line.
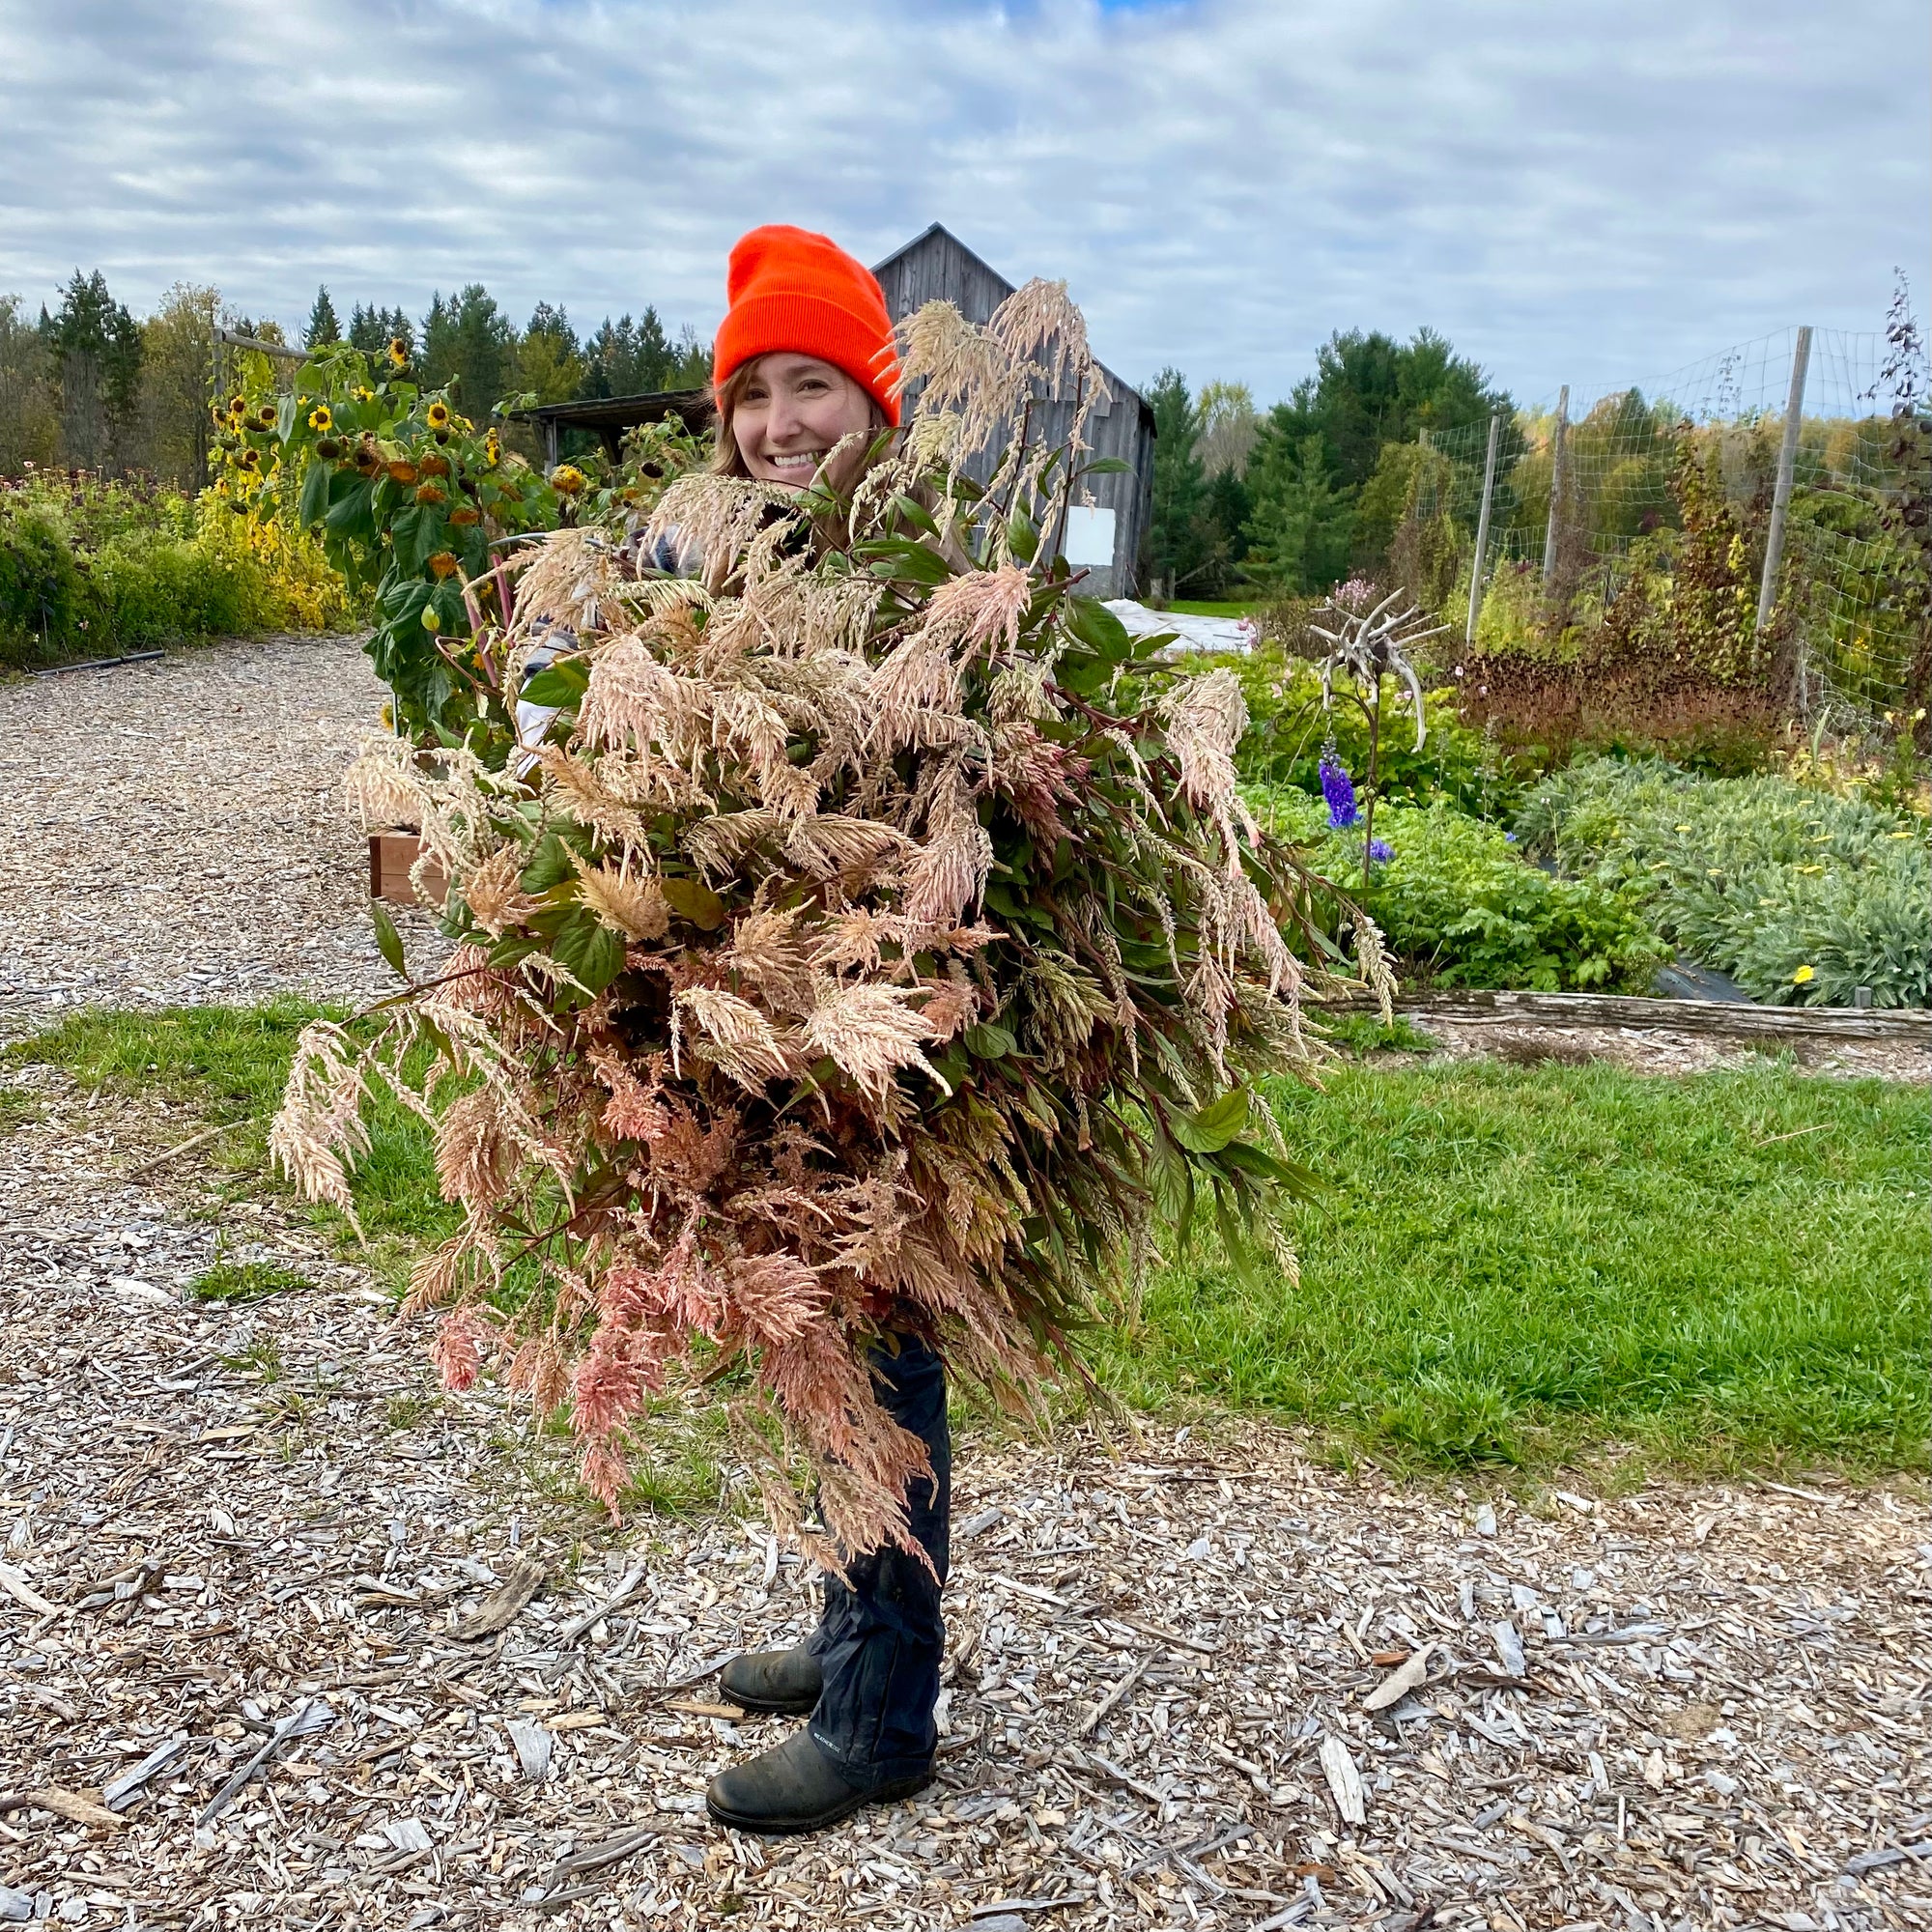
[176,832]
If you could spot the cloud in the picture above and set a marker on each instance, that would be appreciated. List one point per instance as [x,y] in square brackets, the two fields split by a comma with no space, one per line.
[1598,190]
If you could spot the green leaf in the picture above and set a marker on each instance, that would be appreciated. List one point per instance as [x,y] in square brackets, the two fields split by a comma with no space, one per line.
[559,685]
[1106,465]
[388,941]
[1212,1128]
[987,1042]
[698,903]
[590,953]
[1098,629]
[314,502]
[550,865]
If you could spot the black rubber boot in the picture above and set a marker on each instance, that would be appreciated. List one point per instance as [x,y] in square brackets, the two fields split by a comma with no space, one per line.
[783,1683]
[795,1787]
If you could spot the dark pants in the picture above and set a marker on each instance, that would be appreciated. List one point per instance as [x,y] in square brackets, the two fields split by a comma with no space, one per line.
[881,1638]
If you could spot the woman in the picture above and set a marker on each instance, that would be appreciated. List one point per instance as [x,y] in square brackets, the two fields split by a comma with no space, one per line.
[804,359]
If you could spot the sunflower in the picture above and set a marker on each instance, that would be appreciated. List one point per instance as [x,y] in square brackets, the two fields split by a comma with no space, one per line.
[399,352]
[403,472]
[493,450]
[237,405]
[363,393]
[466,515]
[566,479]
[329,449]
[431,492]
[266,416]
[439,414]
[433,465]
[445,563]
[319,418]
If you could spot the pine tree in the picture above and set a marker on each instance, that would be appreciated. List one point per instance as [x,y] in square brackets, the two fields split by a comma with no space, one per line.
[1173,534]
[323,330]
[1301,523]
[95,347]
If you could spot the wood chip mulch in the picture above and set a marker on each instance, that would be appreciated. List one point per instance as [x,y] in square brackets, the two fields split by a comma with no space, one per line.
[176,832]
[289,1637]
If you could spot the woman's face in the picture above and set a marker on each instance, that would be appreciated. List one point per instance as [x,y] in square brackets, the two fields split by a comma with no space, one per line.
[791,412]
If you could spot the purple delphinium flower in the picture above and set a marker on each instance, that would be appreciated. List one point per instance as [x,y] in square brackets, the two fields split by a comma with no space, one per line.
[1380,851]
[1339,790]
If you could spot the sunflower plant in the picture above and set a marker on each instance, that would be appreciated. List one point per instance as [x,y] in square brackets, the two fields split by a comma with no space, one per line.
[414,504]
[866,937]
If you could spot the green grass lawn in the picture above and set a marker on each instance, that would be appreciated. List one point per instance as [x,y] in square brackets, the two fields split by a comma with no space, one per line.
[1513,1264]
[1190,607]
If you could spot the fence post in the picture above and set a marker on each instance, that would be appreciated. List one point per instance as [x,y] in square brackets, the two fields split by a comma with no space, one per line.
[1787,462]
[1556,436]
[1483,526]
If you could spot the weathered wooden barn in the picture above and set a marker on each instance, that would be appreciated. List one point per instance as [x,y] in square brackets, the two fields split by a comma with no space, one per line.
[938,266]
[1104,535]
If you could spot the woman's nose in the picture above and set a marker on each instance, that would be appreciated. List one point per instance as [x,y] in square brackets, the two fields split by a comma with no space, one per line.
[781,420]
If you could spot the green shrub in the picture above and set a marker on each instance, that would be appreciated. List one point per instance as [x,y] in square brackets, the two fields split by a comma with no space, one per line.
[91,568]
[1801,895]
[1287,728]
[1460,905]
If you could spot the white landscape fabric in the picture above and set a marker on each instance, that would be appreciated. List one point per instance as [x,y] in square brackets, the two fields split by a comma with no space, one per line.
[1196,633]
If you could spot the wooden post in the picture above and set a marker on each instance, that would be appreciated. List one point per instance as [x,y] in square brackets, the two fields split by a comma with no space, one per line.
[1787,463]
[1483,526]
[1557,436]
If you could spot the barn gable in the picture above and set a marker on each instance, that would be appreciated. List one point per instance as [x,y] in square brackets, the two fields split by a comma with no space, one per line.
[936,266]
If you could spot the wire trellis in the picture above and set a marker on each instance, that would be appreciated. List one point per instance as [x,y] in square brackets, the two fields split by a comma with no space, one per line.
[1841,570]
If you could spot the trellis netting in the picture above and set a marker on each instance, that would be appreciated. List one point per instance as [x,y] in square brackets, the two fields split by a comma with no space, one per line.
[1841,576]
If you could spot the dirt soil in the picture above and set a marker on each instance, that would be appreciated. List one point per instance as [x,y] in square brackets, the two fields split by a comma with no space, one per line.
[290,1636]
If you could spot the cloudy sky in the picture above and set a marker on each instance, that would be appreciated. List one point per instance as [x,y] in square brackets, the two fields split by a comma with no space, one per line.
[1587,190]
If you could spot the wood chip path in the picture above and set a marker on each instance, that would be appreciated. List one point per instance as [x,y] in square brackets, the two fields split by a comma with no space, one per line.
[176,832]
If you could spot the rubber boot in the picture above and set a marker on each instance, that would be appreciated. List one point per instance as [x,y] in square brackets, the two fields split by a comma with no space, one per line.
[779,1683]
[795,1787]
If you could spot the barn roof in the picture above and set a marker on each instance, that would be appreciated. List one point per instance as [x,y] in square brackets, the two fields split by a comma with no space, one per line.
[938,231]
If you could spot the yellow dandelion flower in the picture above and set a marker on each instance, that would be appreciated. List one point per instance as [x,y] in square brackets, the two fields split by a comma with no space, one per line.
[1803,976]
[439,414]
[320,418]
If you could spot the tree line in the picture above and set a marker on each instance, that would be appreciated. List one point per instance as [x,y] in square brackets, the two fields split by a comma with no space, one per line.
[90,387]
[1295,499]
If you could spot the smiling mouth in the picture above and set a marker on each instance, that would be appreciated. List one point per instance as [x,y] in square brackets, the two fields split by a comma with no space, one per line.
[797,462]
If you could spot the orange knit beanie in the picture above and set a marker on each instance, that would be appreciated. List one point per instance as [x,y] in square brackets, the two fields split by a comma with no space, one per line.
[792,289]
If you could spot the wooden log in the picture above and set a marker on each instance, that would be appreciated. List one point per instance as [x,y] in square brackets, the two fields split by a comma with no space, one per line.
[1730,1017]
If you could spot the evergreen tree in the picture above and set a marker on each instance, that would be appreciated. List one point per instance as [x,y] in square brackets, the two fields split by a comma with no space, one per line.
[628,358]
[467,340]
[94,345]
[1174,536]
[1301,523]
[548,361]
[322,328]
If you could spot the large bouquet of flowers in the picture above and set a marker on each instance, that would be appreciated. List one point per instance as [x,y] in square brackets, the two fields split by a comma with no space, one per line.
[872,944]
